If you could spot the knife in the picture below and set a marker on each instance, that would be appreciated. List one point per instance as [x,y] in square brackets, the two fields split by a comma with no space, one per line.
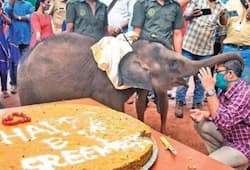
[168,145]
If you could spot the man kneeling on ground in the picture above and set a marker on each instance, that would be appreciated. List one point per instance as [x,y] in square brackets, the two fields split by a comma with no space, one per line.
[225,127]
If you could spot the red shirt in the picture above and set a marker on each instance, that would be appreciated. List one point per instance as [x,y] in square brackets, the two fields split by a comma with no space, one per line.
[42,24]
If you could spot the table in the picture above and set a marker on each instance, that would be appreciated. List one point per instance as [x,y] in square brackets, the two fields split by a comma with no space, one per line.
[186,158]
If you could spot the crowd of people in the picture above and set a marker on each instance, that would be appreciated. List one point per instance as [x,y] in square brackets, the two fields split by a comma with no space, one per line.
[197,29]
[24,24]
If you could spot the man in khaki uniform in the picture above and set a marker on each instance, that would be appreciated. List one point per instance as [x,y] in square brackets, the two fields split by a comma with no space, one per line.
[58,12]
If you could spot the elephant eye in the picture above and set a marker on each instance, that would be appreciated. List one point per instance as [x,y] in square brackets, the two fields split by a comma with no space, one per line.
[175,65]
[172,63]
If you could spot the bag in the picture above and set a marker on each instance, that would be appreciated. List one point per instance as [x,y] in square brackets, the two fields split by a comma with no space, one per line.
[112,4]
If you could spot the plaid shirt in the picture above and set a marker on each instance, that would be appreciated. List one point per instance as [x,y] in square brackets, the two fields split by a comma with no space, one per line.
[233,117]
[200,35]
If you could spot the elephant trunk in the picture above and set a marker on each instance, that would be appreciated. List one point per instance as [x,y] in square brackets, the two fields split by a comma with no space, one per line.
[220,58]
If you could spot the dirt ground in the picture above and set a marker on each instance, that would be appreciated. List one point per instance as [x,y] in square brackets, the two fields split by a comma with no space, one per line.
[179,129]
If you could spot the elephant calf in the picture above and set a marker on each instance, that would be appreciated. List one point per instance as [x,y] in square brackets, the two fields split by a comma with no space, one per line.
[62,67]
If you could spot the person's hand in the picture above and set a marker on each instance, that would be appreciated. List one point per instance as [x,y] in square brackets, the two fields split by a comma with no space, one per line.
[196,12]
[223,17]
[117,30]
[113,30]
[248,14]
[198,115]
[110,30]
[192,13]
[15,16]
[38,37]
[207,80]
[1,11]
[222,12]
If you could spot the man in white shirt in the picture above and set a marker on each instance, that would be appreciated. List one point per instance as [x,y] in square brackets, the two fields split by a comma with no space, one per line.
[118,16]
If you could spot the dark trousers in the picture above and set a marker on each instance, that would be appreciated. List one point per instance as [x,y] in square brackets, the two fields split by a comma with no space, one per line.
[13,72]
[4,75]
[217,48]
[13,66]
[23,49]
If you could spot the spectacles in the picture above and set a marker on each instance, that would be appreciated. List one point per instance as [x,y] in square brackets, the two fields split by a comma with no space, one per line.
[221,71]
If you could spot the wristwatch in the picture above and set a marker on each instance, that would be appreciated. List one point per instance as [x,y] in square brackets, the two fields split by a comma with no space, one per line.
[210,92]
[19,18]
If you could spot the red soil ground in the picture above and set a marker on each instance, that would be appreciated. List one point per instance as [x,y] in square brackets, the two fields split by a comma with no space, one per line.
[179,129]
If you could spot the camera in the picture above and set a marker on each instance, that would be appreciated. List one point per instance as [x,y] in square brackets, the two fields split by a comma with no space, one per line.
[206,11]
[232,13]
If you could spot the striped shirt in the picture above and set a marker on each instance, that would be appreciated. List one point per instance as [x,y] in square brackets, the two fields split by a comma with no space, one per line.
[233,117]
[199,37]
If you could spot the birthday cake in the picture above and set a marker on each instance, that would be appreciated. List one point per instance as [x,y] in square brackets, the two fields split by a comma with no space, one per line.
[74,137]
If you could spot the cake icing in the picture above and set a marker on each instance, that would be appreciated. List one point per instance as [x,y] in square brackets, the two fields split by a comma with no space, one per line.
[72,136]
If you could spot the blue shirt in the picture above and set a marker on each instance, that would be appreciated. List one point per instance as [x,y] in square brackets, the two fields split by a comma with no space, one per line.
[22,28]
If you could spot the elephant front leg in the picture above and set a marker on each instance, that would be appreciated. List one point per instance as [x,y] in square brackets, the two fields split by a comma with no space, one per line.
[163,109]
[141,103]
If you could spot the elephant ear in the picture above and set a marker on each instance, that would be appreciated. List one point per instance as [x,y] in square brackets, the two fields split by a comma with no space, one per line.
[134,72]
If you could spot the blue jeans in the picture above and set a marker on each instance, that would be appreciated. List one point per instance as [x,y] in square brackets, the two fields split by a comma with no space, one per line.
[245,54]
[198,89]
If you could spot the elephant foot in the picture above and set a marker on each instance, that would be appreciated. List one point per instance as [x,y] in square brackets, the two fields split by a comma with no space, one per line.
[132,99]
[141,119]
[163,130]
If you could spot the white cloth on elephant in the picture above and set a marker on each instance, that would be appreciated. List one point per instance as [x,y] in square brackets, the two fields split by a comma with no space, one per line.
[107,53]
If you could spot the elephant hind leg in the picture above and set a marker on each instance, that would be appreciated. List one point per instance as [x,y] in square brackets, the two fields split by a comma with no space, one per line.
[141,103]
[27,96]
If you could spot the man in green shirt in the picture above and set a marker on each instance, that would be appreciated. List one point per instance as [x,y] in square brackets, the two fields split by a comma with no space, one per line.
[159,20]
[88,17]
